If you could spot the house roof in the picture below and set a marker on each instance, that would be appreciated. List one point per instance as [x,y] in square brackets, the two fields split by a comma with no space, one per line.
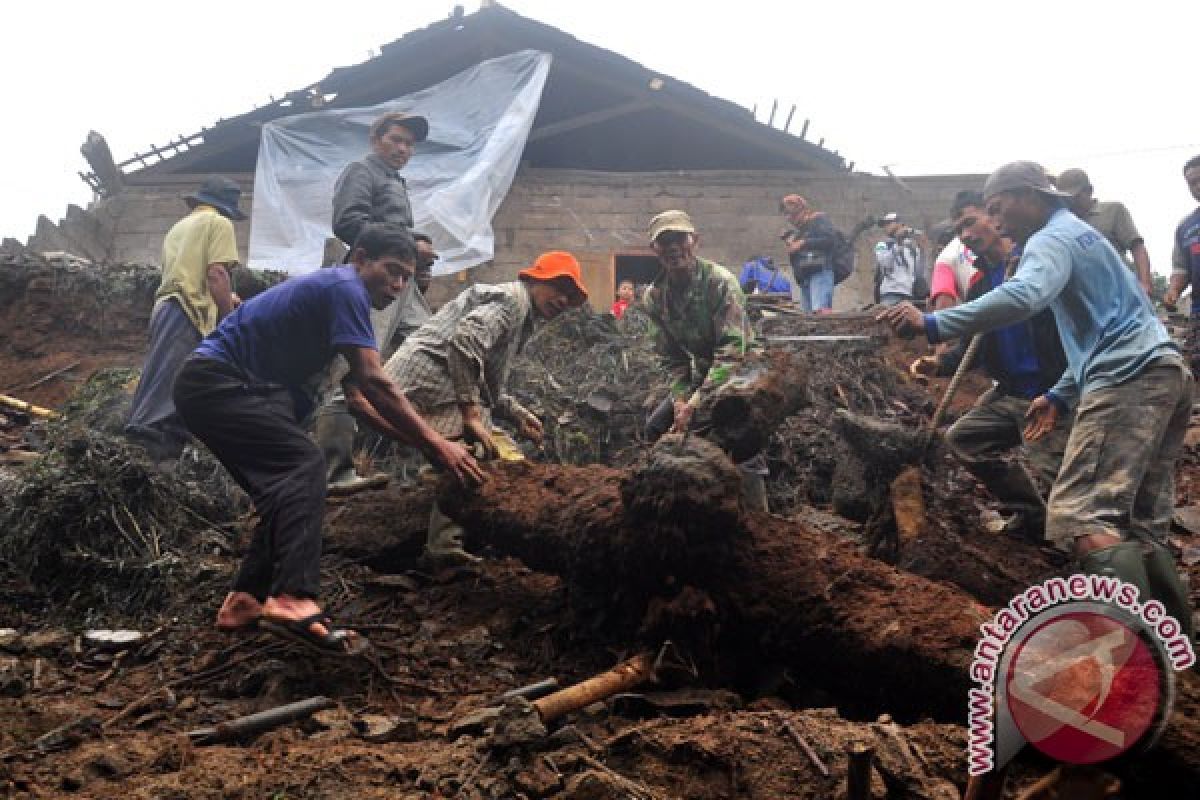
[599,110]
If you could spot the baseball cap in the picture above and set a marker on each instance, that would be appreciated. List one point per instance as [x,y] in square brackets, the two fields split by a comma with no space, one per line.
[671,221]
[1020,175]
[416,124]
[887,219]
[1073,181]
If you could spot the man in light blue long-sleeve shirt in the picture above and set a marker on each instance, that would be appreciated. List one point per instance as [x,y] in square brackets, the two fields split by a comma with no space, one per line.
[1114,496]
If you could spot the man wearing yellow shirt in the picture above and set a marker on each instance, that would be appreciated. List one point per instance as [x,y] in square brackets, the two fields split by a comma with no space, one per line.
[196,292]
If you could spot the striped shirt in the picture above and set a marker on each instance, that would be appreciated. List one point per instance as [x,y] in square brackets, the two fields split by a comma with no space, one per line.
[463,354]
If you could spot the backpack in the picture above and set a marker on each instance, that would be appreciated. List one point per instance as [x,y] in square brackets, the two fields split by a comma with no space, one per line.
[842,257]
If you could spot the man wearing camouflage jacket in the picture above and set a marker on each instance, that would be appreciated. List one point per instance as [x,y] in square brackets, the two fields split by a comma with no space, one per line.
[700,330]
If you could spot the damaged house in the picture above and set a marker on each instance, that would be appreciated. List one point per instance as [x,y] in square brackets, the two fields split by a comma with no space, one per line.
[603,155]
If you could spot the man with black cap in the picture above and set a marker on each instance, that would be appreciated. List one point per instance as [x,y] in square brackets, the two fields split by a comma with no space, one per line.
[1114,495]
[372,189]
[1110,218]
[369,190]
[195,294]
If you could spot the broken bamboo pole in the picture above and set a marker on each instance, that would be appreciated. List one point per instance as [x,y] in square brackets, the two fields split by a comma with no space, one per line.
[26,408]
[621,678]
[803,744]
[260,722]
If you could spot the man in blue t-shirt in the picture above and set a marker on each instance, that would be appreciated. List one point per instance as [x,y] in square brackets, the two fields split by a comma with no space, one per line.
[1114,496]
[1185,263]
[245,391]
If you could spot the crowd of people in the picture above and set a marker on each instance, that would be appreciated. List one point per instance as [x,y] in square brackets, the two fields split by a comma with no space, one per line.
[1085,377]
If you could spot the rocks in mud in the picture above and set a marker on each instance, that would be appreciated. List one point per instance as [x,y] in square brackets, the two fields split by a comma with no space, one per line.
[476,723]
[517,725]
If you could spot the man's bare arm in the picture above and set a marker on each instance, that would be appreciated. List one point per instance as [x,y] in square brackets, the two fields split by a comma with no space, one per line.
[392,407]
[1141,260]
[1179,282]
[361,408]
[220,287]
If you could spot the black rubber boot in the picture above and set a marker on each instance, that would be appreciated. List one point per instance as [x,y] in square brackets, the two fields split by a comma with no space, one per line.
[1167,587]
[335,436]
[1124,561]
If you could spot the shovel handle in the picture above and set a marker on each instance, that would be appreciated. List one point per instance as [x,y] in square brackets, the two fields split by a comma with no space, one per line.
[955,382]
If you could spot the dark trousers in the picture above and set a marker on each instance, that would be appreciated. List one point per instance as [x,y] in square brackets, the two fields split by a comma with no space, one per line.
[153,422]
[252,431]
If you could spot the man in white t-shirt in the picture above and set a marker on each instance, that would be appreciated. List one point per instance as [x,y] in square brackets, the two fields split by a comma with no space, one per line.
[951,275]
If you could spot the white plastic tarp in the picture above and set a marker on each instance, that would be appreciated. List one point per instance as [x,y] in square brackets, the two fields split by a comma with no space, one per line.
[478,123]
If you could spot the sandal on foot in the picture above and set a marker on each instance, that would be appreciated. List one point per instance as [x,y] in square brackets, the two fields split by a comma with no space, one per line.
[336,642]
[245,627]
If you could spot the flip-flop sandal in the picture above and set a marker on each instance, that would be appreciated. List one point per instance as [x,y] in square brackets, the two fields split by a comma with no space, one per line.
[333,643]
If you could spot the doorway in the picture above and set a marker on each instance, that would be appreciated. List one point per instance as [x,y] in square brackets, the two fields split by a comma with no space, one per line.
[641,268]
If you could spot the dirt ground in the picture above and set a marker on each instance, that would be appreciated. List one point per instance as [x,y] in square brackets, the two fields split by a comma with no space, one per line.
[79,719]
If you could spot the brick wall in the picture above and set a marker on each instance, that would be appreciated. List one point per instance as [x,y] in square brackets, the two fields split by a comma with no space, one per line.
[596,215]
[144,214]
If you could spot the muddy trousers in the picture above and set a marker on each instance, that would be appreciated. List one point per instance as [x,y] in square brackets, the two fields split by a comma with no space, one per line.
[753,470]
[1118,478]
[252,431]
[153,421]
[993,427]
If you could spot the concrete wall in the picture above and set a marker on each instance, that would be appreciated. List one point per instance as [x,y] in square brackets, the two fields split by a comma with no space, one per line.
[594,215]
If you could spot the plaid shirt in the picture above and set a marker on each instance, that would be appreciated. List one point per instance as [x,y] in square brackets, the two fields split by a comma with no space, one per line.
[463,355]
[701,332]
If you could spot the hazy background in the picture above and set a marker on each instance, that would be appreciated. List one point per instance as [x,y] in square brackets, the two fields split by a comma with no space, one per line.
[922,87]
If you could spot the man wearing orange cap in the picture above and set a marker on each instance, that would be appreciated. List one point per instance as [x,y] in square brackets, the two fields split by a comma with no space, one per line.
[454,368]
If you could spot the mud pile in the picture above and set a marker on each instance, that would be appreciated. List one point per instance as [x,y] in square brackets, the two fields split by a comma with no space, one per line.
[592,380]
[90,523]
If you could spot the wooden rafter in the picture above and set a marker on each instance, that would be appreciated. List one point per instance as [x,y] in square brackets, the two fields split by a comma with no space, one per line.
[584,120]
